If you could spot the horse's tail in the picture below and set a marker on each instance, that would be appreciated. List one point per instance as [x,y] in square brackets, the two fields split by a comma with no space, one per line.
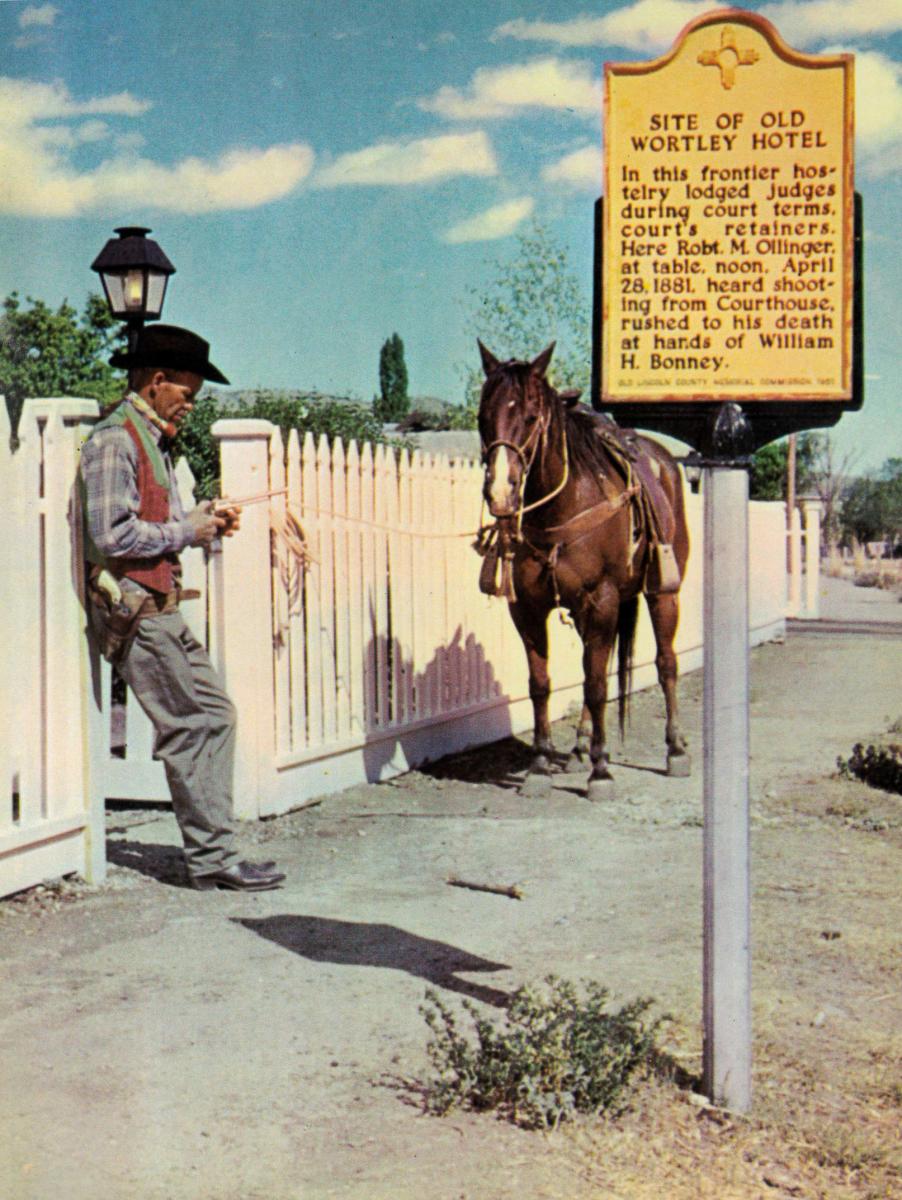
[627,621]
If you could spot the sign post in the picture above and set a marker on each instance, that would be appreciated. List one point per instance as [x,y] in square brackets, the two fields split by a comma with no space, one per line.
[726,315]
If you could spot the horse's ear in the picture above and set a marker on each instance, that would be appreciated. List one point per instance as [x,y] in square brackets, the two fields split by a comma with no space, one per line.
[570,396]
[539,364]
[489,362]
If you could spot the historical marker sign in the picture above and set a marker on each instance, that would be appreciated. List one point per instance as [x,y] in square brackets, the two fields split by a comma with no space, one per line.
[728,221]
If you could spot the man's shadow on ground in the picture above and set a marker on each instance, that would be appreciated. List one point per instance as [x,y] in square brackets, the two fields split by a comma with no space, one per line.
[350,943]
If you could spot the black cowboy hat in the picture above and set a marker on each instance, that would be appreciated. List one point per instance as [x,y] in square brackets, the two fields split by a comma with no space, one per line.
[172,348]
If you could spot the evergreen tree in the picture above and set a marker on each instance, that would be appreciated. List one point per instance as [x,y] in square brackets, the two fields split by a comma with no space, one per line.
[393,401]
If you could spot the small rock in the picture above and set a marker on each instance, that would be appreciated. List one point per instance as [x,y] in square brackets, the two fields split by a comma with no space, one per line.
[699,1100]
[776,1178]
[819,1020]
[830,935]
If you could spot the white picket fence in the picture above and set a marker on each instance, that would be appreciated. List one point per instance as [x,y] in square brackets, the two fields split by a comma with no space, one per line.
[386,656]
[51,818]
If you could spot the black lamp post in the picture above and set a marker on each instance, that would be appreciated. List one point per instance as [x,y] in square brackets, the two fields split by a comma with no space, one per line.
[134,272]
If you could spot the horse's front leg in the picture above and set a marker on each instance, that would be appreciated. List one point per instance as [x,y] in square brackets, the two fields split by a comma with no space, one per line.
[664,612]
[598,641]
[533,629]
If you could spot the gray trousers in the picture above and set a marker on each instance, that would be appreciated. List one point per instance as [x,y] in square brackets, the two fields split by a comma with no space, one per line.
[173,680]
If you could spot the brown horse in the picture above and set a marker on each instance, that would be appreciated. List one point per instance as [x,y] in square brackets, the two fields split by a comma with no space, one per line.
[567,509]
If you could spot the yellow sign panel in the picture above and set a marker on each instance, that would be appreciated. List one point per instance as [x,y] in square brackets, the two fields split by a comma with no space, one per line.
[728,220]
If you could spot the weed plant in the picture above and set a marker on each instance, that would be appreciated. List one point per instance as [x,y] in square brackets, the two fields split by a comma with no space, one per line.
[553,1055]
[879,766]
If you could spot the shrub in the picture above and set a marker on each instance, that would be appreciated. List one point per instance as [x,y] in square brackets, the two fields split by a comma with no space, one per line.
[879,766]
[304,411]
[448,417]
[554,1055]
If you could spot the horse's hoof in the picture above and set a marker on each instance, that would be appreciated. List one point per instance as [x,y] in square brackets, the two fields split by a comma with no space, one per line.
[679,766]
[601,789]
[536,783]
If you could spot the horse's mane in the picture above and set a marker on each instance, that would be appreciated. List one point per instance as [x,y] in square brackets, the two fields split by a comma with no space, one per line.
[586,449]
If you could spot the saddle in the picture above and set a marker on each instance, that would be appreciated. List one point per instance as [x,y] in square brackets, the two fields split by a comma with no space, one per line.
[649,507]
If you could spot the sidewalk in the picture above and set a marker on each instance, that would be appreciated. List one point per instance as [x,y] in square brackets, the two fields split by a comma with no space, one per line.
[841,600]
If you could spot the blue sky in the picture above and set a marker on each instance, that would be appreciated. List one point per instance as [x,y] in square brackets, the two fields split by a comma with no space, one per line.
[323,175]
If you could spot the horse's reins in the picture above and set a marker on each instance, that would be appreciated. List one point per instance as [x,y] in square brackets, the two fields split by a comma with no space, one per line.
[536,437]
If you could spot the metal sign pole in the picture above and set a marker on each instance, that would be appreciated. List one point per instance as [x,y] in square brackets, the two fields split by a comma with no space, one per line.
[727,975]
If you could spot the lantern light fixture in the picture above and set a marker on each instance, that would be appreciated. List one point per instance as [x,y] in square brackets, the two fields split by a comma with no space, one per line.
[134,272]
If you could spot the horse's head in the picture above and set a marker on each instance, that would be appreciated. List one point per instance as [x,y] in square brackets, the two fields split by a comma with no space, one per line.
[514,412]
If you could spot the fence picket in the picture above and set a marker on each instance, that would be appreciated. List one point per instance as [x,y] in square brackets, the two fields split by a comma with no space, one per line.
[340,602]
[394,603]
[296,634]
[316,701]
[326,586]
[354,596]
[368,587]
[382,629]
[402,586]
[280,598]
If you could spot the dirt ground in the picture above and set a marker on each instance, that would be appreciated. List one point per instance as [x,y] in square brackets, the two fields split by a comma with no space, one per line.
[160,1044]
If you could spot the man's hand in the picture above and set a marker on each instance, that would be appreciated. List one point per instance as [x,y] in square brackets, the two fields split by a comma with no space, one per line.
[206,523]
[231,514]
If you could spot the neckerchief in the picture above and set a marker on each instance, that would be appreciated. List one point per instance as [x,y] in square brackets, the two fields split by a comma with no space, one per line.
[166,427]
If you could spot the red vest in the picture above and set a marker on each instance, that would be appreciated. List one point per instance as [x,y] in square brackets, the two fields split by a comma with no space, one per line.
[159,573]
[156,573]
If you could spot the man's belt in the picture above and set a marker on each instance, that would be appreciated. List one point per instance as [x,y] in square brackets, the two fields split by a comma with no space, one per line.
[157,604]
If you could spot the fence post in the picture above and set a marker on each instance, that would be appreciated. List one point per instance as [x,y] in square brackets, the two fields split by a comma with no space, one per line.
[794,531]
[811,510]
[247,633]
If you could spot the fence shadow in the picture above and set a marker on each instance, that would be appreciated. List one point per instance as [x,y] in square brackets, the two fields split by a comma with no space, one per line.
[458,681]
[357,944]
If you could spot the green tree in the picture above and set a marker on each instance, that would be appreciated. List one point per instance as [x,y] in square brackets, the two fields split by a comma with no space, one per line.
[56,352]
[534,298]
[393,401]
[872,505]
[768,472]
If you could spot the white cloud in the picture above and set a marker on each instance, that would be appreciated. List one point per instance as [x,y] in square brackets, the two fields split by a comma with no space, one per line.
[237,179]
[24,102]
[580,169]
[495,222]
[878,113]
[39,179]
[817,21]
[549,83]
[649,26]
[40,16]
[424,160]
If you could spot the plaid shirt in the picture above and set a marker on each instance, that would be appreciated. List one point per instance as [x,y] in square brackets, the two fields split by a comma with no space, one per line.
[109,468]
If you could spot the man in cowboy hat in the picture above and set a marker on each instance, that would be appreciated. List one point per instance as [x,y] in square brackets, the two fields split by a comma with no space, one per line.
[134,529]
